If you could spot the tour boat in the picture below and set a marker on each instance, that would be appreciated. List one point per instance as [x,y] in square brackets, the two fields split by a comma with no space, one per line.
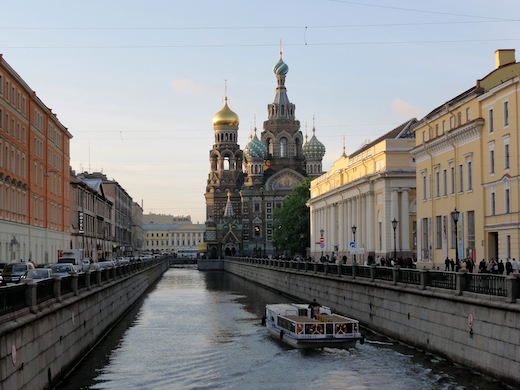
[293,324]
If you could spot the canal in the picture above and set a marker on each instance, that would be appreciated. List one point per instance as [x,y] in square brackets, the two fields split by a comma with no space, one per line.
[202,330]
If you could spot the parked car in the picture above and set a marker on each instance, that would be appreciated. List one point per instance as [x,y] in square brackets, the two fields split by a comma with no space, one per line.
[38,274]
[3,264]
[62,269]
[14,271]
[106,264]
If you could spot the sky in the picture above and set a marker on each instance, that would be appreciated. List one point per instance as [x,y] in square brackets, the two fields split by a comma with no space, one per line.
[137,83]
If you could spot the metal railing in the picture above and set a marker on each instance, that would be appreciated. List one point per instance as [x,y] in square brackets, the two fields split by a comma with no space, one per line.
[25,295]
[489,284]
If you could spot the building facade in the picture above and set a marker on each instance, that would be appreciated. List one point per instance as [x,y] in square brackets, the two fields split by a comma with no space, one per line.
[137,229]
[245,186]
[353,205]
[467,171]
[121,217]
[34,174]
[91,218]
[180,236]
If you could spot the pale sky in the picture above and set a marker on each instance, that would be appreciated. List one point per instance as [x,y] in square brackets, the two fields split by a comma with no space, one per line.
[137,83]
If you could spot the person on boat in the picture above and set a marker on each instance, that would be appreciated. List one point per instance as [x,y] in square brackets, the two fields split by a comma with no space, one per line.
[315,308]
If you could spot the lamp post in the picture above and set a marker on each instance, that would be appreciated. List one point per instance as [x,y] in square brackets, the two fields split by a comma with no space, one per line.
[455,217]
[354,233]
[394,225]
[321,233]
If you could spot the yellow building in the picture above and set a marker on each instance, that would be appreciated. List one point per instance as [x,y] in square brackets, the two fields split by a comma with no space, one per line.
[464,162]
[368,189]
[181,237]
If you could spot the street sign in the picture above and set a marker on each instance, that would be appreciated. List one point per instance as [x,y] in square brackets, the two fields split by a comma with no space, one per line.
[322,239]
[322,245]
[352,244]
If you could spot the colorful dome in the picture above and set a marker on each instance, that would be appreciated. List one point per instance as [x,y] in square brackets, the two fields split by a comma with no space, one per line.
[255,149]
[280,68]
[225,117]
[313,149]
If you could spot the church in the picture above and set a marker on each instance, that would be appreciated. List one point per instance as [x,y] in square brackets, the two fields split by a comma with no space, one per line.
[245,186]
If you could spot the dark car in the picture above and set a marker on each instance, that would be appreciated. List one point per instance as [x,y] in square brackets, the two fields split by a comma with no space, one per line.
[13,272]
[37,274]
[4,264]
[62,269]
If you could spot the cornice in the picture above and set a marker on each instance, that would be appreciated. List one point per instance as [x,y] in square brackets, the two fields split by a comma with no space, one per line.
[462,135]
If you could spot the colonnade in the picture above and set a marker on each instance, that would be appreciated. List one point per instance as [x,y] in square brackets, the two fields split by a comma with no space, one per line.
[374,232]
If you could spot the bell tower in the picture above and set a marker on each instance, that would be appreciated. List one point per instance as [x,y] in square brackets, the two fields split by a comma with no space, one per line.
[225,166]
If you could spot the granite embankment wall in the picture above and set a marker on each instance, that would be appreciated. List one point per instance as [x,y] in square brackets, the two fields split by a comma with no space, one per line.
[41,343]
[432,319]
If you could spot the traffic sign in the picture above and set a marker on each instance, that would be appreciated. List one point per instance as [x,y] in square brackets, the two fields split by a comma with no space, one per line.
[352,244]
[322,239]
[322,245]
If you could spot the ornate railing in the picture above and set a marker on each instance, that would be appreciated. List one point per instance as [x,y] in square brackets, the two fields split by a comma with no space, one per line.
[458,282]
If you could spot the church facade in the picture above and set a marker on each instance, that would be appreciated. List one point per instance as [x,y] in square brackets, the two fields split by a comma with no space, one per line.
[245,186]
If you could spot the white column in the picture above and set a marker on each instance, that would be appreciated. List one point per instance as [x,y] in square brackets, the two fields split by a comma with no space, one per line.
[370,222]
[394,213]
[405,221]
[332,229]
[341,224]
[363,214]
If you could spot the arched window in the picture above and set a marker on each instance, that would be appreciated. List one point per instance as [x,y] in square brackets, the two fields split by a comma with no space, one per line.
[283,147]
[226,163]
[269,146]
[282,110]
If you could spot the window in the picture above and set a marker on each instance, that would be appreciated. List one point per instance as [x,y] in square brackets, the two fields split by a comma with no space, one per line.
[452,122]
[445,181]
[437,184]
[438,232]
[507,201]
[506,156]
[437,130]
[461,178]
[490,120]
[468,117]
[506,114]
[459,118]
[452,180]
[424,136]
[508,246]
[424,186]
[493,204]
[430,185]
[443,127]
[470,175]
[283,147]
[491,161]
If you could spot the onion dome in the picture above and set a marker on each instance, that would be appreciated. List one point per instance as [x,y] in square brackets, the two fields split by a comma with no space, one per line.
[255,148]
[225,117]
[280,68]
[313,149]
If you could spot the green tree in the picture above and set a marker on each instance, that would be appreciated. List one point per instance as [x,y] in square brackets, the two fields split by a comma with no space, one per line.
[292,220]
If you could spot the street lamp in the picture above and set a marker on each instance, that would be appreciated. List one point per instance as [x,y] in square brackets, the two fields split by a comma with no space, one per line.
[321,232]
[455,217]
[354,232]
[394,225]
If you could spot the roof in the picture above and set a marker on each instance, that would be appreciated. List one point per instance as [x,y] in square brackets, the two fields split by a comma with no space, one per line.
[398,132]
[173,226]
[449,102]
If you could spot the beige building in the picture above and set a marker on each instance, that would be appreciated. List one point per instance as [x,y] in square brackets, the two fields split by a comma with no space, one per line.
[179,235]
[467,160]
[367,190]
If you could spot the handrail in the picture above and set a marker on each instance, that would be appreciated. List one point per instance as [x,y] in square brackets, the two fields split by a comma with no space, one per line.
[459,282]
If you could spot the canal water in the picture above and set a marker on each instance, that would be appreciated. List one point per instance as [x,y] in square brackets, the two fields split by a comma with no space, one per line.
[202,330]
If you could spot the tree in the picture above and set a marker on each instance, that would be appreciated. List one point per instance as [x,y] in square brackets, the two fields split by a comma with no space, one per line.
[292,220]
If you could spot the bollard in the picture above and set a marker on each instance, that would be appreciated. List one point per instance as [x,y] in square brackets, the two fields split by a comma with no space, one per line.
[30,295]
[423,274]
[74,283]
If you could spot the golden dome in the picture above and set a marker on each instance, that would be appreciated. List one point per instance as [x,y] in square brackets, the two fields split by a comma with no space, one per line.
[225,117]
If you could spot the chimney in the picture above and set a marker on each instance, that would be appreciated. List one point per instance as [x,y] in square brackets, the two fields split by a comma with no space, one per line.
[504,57]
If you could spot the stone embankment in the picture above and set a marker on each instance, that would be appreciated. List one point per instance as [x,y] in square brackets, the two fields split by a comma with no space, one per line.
[46,328]
[471,319]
